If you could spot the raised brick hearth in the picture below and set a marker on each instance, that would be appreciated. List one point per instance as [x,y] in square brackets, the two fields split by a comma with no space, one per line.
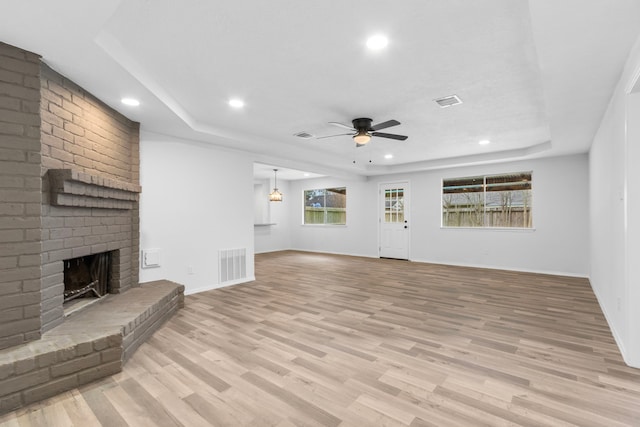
[69,188]
[87,346]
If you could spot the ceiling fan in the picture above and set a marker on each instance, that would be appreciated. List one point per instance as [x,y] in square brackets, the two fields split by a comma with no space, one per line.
[362,130]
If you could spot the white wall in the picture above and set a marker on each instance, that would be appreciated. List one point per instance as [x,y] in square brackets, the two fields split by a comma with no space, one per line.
[196,200]
[633,229]
[358,237]
[276,236]
[614,192]
[260,204]
[558,245]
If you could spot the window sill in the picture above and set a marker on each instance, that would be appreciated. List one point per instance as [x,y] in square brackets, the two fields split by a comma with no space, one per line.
[514,229]
[325,225]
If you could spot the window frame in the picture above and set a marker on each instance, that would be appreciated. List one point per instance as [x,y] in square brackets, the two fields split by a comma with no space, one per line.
[485,211]
[324,208]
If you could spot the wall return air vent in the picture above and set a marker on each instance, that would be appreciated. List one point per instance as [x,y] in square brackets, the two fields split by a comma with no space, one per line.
[232,265]
[448,101]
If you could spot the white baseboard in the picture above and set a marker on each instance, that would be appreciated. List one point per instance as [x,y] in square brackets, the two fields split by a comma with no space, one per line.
[490,267]
[219,285]
[616,335]
[495,267]
[331,253]
[272,250]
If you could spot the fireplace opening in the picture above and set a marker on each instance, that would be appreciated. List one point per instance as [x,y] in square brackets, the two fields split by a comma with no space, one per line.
[86,280]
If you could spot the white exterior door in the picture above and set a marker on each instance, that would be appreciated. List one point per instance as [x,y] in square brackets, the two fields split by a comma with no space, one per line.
[394,220]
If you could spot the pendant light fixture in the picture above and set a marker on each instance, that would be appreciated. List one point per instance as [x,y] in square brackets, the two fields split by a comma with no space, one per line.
[275,195]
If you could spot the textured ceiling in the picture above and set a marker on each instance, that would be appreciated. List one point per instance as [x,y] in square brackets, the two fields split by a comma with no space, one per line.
[534,77]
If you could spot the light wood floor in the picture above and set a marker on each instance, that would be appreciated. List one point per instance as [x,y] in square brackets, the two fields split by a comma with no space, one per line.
[324,340]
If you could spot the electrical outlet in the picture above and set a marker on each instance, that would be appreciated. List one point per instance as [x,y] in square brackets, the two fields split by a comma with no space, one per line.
[190,269]
[619,303]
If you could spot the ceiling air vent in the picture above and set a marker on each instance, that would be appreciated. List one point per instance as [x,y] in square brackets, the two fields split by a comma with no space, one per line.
[303,135]
[448,101]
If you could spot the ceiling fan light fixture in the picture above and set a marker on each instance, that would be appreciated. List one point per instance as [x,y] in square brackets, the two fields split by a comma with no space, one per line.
[362,137]
[362,130]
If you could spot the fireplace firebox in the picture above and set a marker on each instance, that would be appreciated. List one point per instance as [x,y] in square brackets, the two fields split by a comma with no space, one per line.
[87,277]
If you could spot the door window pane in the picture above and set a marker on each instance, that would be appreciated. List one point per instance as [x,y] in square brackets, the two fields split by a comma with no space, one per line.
[394,205]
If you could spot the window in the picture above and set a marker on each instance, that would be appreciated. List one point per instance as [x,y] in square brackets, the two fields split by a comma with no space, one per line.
[325,206]
[501,201]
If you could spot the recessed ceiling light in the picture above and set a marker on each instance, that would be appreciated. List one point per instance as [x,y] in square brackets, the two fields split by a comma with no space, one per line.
[388,156]
[377,42]
[130,101]
[484,142]
[307,174]
[236,103]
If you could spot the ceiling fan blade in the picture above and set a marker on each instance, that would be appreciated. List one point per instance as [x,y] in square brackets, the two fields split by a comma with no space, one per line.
[390,136]
[331,136]
[385,125]
[342,126]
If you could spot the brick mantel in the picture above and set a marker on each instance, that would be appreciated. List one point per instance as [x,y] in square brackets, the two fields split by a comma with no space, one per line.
[74,188]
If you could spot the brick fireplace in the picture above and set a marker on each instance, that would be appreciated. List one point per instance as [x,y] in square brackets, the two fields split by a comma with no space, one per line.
[73,188]
[69,188]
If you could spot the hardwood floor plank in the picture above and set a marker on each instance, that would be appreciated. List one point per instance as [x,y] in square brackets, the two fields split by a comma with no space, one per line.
[199,371]
[258,412]
[328,340]
[386,408]
[308,409]
[577,418]
[216,412]
[292,343]
[105,412]
[53,409]
[368,416]
[154,410]
[129,410]
[490,413]
[180,410]
[78,410]
[174,381]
